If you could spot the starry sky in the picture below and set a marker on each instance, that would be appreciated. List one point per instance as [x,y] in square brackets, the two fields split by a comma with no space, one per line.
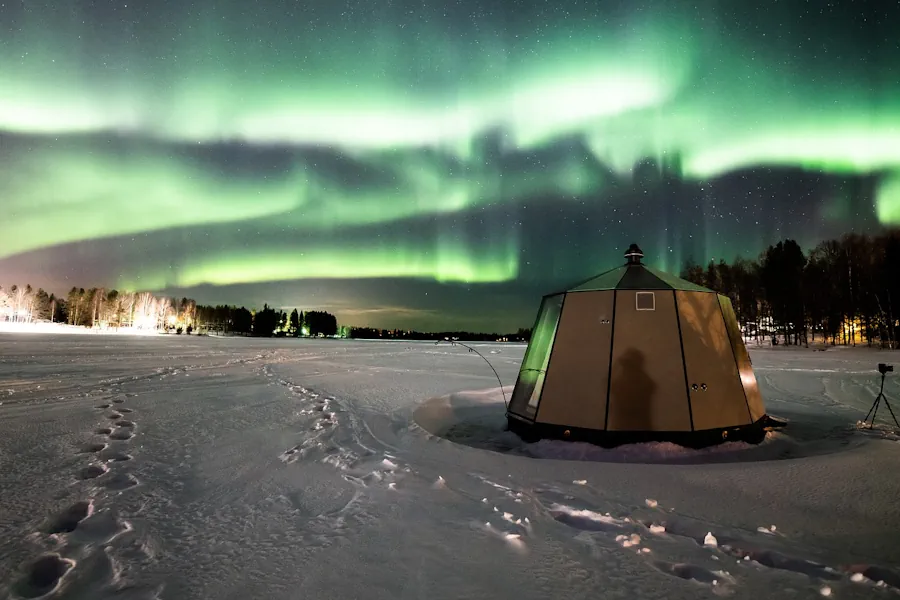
[432,164]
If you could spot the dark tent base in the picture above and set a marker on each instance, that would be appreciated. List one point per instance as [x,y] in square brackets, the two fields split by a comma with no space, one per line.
[752,434]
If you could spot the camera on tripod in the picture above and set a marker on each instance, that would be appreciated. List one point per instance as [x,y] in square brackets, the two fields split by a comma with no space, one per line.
[884,370]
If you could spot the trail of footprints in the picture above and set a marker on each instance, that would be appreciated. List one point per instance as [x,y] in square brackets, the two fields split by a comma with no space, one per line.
[634,533]
[81,525]
[313,405]
[506,522]
[360,465]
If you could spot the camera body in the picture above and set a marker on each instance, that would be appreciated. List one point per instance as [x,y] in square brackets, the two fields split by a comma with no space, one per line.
[883,368]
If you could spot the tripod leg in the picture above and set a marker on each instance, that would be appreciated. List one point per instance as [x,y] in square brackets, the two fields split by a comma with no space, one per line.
[886,403]
[874,407]
[877,402]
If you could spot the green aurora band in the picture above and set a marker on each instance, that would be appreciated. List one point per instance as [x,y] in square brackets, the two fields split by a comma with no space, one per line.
[447,261]
[407,92]
[62,197]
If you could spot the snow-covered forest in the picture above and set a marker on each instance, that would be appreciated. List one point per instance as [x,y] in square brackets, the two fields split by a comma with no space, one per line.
[98,308]
[844,291]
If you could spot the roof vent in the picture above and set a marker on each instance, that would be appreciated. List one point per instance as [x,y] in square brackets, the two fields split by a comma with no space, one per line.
[633,255]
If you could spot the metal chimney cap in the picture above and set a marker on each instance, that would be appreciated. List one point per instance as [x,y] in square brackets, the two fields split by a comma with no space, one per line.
[634,254]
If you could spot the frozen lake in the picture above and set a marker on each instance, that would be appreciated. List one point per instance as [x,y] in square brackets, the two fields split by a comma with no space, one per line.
[188,467]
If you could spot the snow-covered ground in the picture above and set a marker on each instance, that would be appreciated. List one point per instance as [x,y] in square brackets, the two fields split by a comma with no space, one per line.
[187,467]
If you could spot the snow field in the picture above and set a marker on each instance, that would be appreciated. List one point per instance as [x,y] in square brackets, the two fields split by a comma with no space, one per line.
[166,468]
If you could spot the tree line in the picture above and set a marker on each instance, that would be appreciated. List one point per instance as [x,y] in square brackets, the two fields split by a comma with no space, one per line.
[268,322]
[842,292]
[102,308]
[111,309]
[370,333]
[95,307]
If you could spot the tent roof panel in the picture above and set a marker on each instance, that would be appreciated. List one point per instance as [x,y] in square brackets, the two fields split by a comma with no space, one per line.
[608,280]
[677,283]
[636,277]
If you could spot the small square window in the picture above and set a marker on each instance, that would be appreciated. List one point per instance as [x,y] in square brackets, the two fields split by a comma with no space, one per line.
[645,301]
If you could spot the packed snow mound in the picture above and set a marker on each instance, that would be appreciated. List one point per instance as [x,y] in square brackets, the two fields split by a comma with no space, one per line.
[477,418]
[472,418]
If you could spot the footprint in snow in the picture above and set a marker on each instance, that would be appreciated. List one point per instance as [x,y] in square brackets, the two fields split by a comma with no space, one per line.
[119,400]
[92,471]
[43,576]
[114,416]
[68,520]
[103,406]
[114,456]
[777,560]
[121,434]
[124,423]
[94,447]
[861,573]
[693,573]
[125,410]
[103,431]
[742,552]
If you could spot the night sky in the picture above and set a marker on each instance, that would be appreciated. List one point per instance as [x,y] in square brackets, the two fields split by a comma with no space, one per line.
[432,164]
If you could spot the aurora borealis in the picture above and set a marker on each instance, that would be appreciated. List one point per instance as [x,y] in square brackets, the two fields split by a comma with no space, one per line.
[426,163]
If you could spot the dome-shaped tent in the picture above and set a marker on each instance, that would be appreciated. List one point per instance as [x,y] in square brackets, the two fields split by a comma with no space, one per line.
[635,354]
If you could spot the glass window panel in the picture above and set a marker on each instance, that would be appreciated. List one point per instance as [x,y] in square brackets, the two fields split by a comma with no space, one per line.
[537,357]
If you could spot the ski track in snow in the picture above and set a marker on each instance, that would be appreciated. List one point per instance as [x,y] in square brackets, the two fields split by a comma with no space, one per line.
[238,468]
